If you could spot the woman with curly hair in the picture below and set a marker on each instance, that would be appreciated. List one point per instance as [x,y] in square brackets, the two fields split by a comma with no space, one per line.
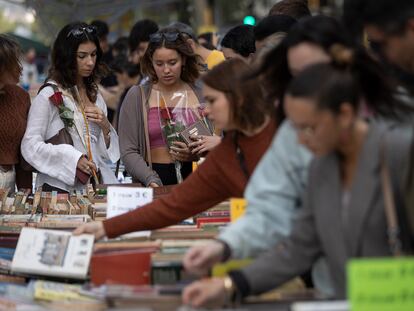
[172,69]
[69,103]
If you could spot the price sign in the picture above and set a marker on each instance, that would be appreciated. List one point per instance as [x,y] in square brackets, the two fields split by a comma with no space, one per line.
[383,284]
[125,199]
[237,208]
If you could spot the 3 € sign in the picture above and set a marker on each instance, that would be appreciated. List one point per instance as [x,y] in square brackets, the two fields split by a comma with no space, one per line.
[125,199]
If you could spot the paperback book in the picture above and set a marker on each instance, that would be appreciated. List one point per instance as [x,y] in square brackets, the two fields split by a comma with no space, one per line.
[53,253]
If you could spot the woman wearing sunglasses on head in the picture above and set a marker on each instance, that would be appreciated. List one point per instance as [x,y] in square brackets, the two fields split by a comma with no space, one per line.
[239,108]
[172,69]
[68,137]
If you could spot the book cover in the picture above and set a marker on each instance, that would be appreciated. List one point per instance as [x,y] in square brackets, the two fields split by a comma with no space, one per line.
[53,253]
[197,129]
[130,267]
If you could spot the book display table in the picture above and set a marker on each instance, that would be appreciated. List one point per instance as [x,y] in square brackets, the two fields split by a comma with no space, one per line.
[134,272]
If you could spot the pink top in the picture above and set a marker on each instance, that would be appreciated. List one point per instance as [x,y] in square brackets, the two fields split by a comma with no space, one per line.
[154,127]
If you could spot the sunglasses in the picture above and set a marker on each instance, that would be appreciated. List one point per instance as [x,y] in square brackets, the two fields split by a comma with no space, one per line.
[168,36]
[79,32]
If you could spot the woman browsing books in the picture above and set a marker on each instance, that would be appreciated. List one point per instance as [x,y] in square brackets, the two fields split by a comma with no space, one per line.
[237,106]
[359,170]
[69,139]
[153,114]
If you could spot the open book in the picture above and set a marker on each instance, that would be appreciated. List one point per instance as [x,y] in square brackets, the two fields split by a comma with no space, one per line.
[53,253]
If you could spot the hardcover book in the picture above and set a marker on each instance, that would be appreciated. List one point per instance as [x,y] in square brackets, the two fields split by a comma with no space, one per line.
[197,129]
[53,253]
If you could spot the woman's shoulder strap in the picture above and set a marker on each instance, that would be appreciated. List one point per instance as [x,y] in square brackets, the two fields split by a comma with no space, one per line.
[51,84]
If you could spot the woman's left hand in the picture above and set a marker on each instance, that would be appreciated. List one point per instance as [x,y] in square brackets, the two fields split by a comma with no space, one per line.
[180,152]
[95,114]
[205,293]
[203,144]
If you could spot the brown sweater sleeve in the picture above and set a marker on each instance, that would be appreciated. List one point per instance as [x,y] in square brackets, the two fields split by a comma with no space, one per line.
[201,190]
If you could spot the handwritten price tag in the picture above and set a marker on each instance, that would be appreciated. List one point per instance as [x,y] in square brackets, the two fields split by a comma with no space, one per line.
[382,284]
[125,199]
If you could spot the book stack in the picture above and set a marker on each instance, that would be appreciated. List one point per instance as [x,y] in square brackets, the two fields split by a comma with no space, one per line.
[122,262]
[166,264]
[14,223]
[22,203]
[215,217]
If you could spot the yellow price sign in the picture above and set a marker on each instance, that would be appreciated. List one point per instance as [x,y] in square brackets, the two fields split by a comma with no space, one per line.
[237,208]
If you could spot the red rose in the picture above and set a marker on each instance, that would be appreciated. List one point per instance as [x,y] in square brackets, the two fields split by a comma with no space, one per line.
[166,114]
[56,99]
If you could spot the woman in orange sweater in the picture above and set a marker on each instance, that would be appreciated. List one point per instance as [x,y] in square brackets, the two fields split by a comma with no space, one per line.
[235,105]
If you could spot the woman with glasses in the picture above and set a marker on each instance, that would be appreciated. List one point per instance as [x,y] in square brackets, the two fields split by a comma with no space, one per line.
[239,108]
[68,137]
[14,108]
[172,69]
[344,213]
[275,190]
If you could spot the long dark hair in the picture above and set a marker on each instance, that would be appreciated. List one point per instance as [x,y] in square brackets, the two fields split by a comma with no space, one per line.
[352,76]
[320,30]
[274,69]
[248,107]
[64,58]
[191,68]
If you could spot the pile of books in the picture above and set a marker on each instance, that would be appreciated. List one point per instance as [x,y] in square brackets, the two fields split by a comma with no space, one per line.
[22,203]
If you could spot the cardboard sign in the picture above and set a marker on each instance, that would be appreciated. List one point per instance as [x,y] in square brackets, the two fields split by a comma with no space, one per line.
[237,208]
[125,199]
[383,284]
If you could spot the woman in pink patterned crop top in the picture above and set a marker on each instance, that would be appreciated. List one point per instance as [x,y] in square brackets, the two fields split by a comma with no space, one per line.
[173,69]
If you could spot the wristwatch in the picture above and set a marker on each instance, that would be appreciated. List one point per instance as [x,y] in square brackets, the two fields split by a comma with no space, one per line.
[230,290]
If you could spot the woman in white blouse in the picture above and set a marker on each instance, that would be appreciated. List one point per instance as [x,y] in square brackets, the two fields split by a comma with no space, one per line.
[76,66]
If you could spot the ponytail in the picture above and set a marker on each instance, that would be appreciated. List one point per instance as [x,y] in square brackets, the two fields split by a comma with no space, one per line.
[351,76]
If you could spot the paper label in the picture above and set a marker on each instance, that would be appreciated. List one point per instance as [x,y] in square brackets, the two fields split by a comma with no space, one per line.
[125,199]
[237,208]
[383,284]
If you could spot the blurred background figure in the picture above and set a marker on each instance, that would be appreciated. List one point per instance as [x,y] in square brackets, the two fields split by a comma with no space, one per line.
[271,27]
[239,43]
[208,40]
[102,30]
[127,74]
[138,39]
[14,108]
[295,8]
[30,74]
[120,48]
[211,58]
[108,85]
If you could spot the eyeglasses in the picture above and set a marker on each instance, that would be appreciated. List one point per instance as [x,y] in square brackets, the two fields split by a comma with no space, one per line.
[307,131]
[78,32]
[168,36]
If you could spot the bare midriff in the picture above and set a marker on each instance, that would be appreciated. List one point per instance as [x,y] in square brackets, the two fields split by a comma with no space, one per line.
[160,155]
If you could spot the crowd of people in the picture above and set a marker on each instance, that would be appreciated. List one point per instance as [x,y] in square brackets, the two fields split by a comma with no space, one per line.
[310,119]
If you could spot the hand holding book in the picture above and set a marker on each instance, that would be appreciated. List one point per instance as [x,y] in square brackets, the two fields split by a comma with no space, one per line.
[96,228]
[181,152]
[202,144]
